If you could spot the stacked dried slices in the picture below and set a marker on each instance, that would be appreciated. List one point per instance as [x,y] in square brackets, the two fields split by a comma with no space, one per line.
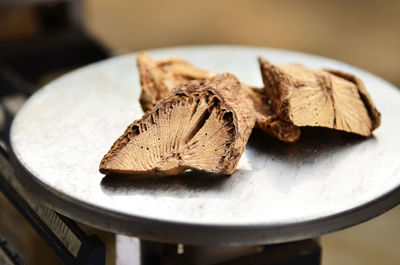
[201,120]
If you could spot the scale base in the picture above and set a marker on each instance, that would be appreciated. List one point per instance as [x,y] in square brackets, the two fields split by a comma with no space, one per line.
[307,252]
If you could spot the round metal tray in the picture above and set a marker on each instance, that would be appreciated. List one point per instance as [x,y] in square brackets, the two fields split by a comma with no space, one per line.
[280,192]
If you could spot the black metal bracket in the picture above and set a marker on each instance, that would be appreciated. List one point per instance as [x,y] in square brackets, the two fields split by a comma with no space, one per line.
[60,233]
[304,252]
[7,255]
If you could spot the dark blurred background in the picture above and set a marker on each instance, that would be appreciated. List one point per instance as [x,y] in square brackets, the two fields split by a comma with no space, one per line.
[40,40]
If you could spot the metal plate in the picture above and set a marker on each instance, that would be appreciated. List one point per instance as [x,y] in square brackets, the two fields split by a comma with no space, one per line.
[279,192]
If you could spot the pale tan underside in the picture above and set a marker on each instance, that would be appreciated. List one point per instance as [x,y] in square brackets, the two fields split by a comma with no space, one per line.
[171,144]
[311,103]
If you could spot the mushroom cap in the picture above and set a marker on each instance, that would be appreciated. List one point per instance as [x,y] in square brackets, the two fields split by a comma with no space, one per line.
[159,77]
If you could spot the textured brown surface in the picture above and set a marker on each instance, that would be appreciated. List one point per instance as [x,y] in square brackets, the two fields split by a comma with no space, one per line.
[308,97]
[364,95]
[267,120]
[159,77]
[202,125]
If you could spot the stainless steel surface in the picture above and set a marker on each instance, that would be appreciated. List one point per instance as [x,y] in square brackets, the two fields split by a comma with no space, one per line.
[279,192]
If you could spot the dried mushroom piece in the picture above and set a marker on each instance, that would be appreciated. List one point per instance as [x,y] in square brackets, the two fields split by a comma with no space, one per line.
[267,120]
[159,77]
[373,112]
[202,125]
[308,97]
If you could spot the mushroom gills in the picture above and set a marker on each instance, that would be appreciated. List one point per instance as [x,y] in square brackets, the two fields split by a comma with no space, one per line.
[192,128]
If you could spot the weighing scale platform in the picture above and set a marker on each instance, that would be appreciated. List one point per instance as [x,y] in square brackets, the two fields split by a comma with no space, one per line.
[280,192]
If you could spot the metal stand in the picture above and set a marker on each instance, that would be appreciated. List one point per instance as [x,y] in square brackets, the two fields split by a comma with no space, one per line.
[60,233]
[305,252]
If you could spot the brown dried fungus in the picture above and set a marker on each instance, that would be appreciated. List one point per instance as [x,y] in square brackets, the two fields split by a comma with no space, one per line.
[325,98]
[159,77]
[201,120]
[202,125]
